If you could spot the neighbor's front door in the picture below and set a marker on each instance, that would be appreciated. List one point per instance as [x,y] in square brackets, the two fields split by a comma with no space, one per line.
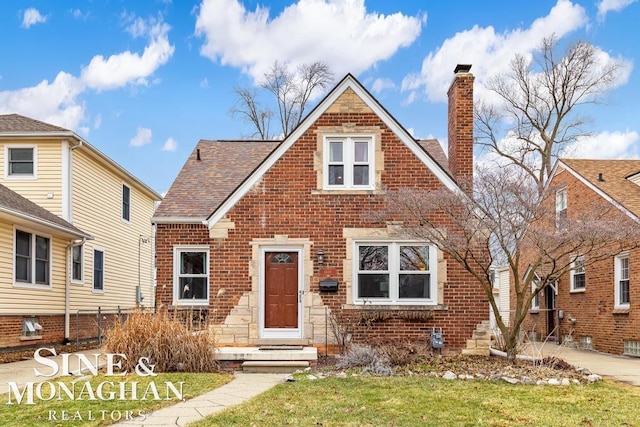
[281,299]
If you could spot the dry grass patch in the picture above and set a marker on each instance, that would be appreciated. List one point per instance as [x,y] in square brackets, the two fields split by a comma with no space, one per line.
[170,342]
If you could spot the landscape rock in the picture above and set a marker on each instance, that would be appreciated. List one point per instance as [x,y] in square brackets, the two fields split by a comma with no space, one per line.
[565,382]
[510,380]
[553,381]
[592,378]
[312,377]
[449,375]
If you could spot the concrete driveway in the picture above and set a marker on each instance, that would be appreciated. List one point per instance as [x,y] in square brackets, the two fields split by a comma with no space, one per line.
[621,368]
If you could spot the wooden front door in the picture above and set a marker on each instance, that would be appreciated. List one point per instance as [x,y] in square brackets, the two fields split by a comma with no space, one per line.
[281,290]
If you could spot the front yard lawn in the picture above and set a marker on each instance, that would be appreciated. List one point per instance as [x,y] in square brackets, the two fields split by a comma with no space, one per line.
[426,401]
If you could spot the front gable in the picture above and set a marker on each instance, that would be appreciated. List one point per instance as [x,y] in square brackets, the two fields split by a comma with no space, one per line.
[349,112]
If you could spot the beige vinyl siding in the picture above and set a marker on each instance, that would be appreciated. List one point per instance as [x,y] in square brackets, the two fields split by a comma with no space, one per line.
[97,210]
[31,301]
[49,173]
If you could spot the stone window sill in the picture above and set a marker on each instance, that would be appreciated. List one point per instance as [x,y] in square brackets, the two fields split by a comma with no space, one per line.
[621,311]
[397,307]
[32,338]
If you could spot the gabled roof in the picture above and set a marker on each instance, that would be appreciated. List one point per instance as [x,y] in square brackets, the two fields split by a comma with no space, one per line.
[202,185]
[608,178]
[18,126]
[13,204]
[348,82]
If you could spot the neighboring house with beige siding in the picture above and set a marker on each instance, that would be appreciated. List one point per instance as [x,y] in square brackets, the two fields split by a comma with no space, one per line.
[99,256]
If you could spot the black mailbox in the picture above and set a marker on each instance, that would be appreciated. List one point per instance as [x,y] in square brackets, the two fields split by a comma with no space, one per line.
[328,285]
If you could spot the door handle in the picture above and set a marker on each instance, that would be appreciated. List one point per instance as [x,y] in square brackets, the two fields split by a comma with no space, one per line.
[300,295]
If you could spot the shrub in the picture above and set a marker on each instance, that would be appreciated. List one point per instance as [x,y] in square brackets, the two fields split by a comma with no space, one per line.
[403,352]
[169,343]
[367,358]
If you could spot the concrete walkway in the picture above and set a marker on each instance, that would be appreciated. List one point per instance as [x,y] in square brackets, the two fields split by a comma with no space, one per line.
[242,388]
[620,368]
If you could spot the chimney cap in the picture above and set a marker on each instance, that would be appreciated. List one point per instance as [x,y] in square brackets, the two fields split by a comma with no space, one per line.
[462,68]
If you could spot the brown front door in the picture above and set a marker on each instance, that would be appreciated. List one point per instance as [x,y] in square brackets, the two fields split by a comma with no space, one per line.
[281,290]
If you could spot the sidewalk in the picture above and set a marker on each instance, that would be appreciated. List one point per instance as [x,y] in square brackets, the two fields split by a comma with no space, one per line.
[621,368]
[242,388]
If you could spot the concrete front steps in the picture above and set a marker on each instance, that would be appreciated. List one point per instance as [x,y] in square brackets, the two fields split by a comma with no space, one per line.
[480,342]
[268,358]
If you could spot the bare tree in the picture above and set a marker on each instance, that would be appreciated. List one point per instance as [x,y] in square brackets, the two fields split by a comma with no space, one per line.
[509,219]
[291,92]
[539,102]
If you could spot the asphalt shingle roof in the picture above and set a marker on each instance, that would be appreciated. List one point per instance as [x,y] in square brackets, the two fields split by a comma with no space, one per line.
[202,185]
[15,203]
[13,123]
[614,179]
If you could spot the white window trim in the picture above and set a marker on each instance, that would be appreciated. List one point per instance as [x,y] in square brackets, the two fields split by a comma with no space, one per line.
[394,272]
[82,263]
[535,302]
[176,275]
[124,220]
[617,278]
[572,274]
[348,161]
[33,284]
[19,177]
[93,269]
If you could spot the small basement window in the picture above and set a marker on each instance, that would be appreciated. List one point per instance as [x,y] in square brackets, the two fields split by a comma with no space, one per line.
[632,348]
[30,327]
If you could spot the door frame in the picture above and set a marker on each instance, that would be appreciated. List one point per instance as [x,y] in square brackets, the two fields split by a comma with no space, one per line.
[280,333]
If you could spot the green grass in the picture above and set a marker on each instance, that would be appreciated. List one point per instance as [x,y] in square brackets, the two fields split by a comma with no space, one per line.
[425,401]
[78,412]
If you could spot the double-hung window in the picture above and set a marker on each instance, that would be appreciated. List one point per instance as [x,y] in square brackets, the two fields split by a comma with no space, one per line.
[98,270]
[32,263]
[395,273]
[126,203]
[191,275]
[578,274]
[349,162]
[20,162]
[622,299]
[76,263]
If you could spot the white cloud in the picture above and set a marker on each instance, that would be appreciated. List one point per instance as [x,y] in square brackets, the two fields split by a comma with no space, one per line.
[143,137]
[170,145]
[606,145]
[381,84]
[31,17]
[97,122]
[77,14]
[127,67]
[204,83]
[489,52]
[54,102]
[606,6]
[343,35]
[57,102]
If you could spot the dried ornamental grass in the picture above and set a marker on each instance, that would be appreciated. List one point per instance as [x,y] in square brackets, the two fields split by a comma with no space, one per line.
[168,343]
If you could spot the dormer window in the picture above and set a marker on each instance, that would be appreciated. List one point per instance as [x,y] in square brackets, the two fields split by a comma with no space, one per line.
[349,162]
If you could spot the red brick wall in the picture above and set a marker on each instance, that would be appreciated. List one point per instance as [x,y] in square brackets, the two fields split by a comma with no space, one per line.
[52,329]
[593,309]
[288,207]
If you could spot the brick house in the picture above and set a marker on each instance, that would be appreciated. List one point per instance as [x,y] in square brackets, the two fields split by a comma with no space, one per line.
[275,238]
[596,306]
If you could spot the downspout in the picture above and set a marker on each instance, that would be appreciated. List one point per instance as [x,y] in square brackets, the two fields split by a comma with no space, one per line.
[67,285]
[67,288]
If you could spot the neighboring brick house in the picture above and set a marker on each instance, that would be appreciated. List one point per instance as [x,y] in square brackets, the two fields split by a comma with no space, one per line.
[273,237]
[75,235]
[595,306]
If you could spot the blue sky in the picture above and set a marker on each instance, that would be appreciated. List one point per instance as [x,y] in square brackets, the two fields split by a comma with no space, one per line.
[143,81]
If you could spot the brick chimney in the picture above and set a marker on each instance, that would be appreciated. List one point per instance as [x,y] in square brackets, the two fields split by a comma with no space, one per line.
[461,127]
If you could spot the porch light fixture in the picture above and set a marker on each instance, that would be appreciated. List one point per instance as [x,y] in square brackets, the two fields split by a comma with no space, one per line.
[320,257]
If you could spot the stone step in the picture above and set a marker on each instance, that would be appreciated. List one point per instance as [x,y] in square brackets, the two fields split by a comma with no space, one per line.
[478,335]
[267,366]
[476,351]
[256,354]
[478,343]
